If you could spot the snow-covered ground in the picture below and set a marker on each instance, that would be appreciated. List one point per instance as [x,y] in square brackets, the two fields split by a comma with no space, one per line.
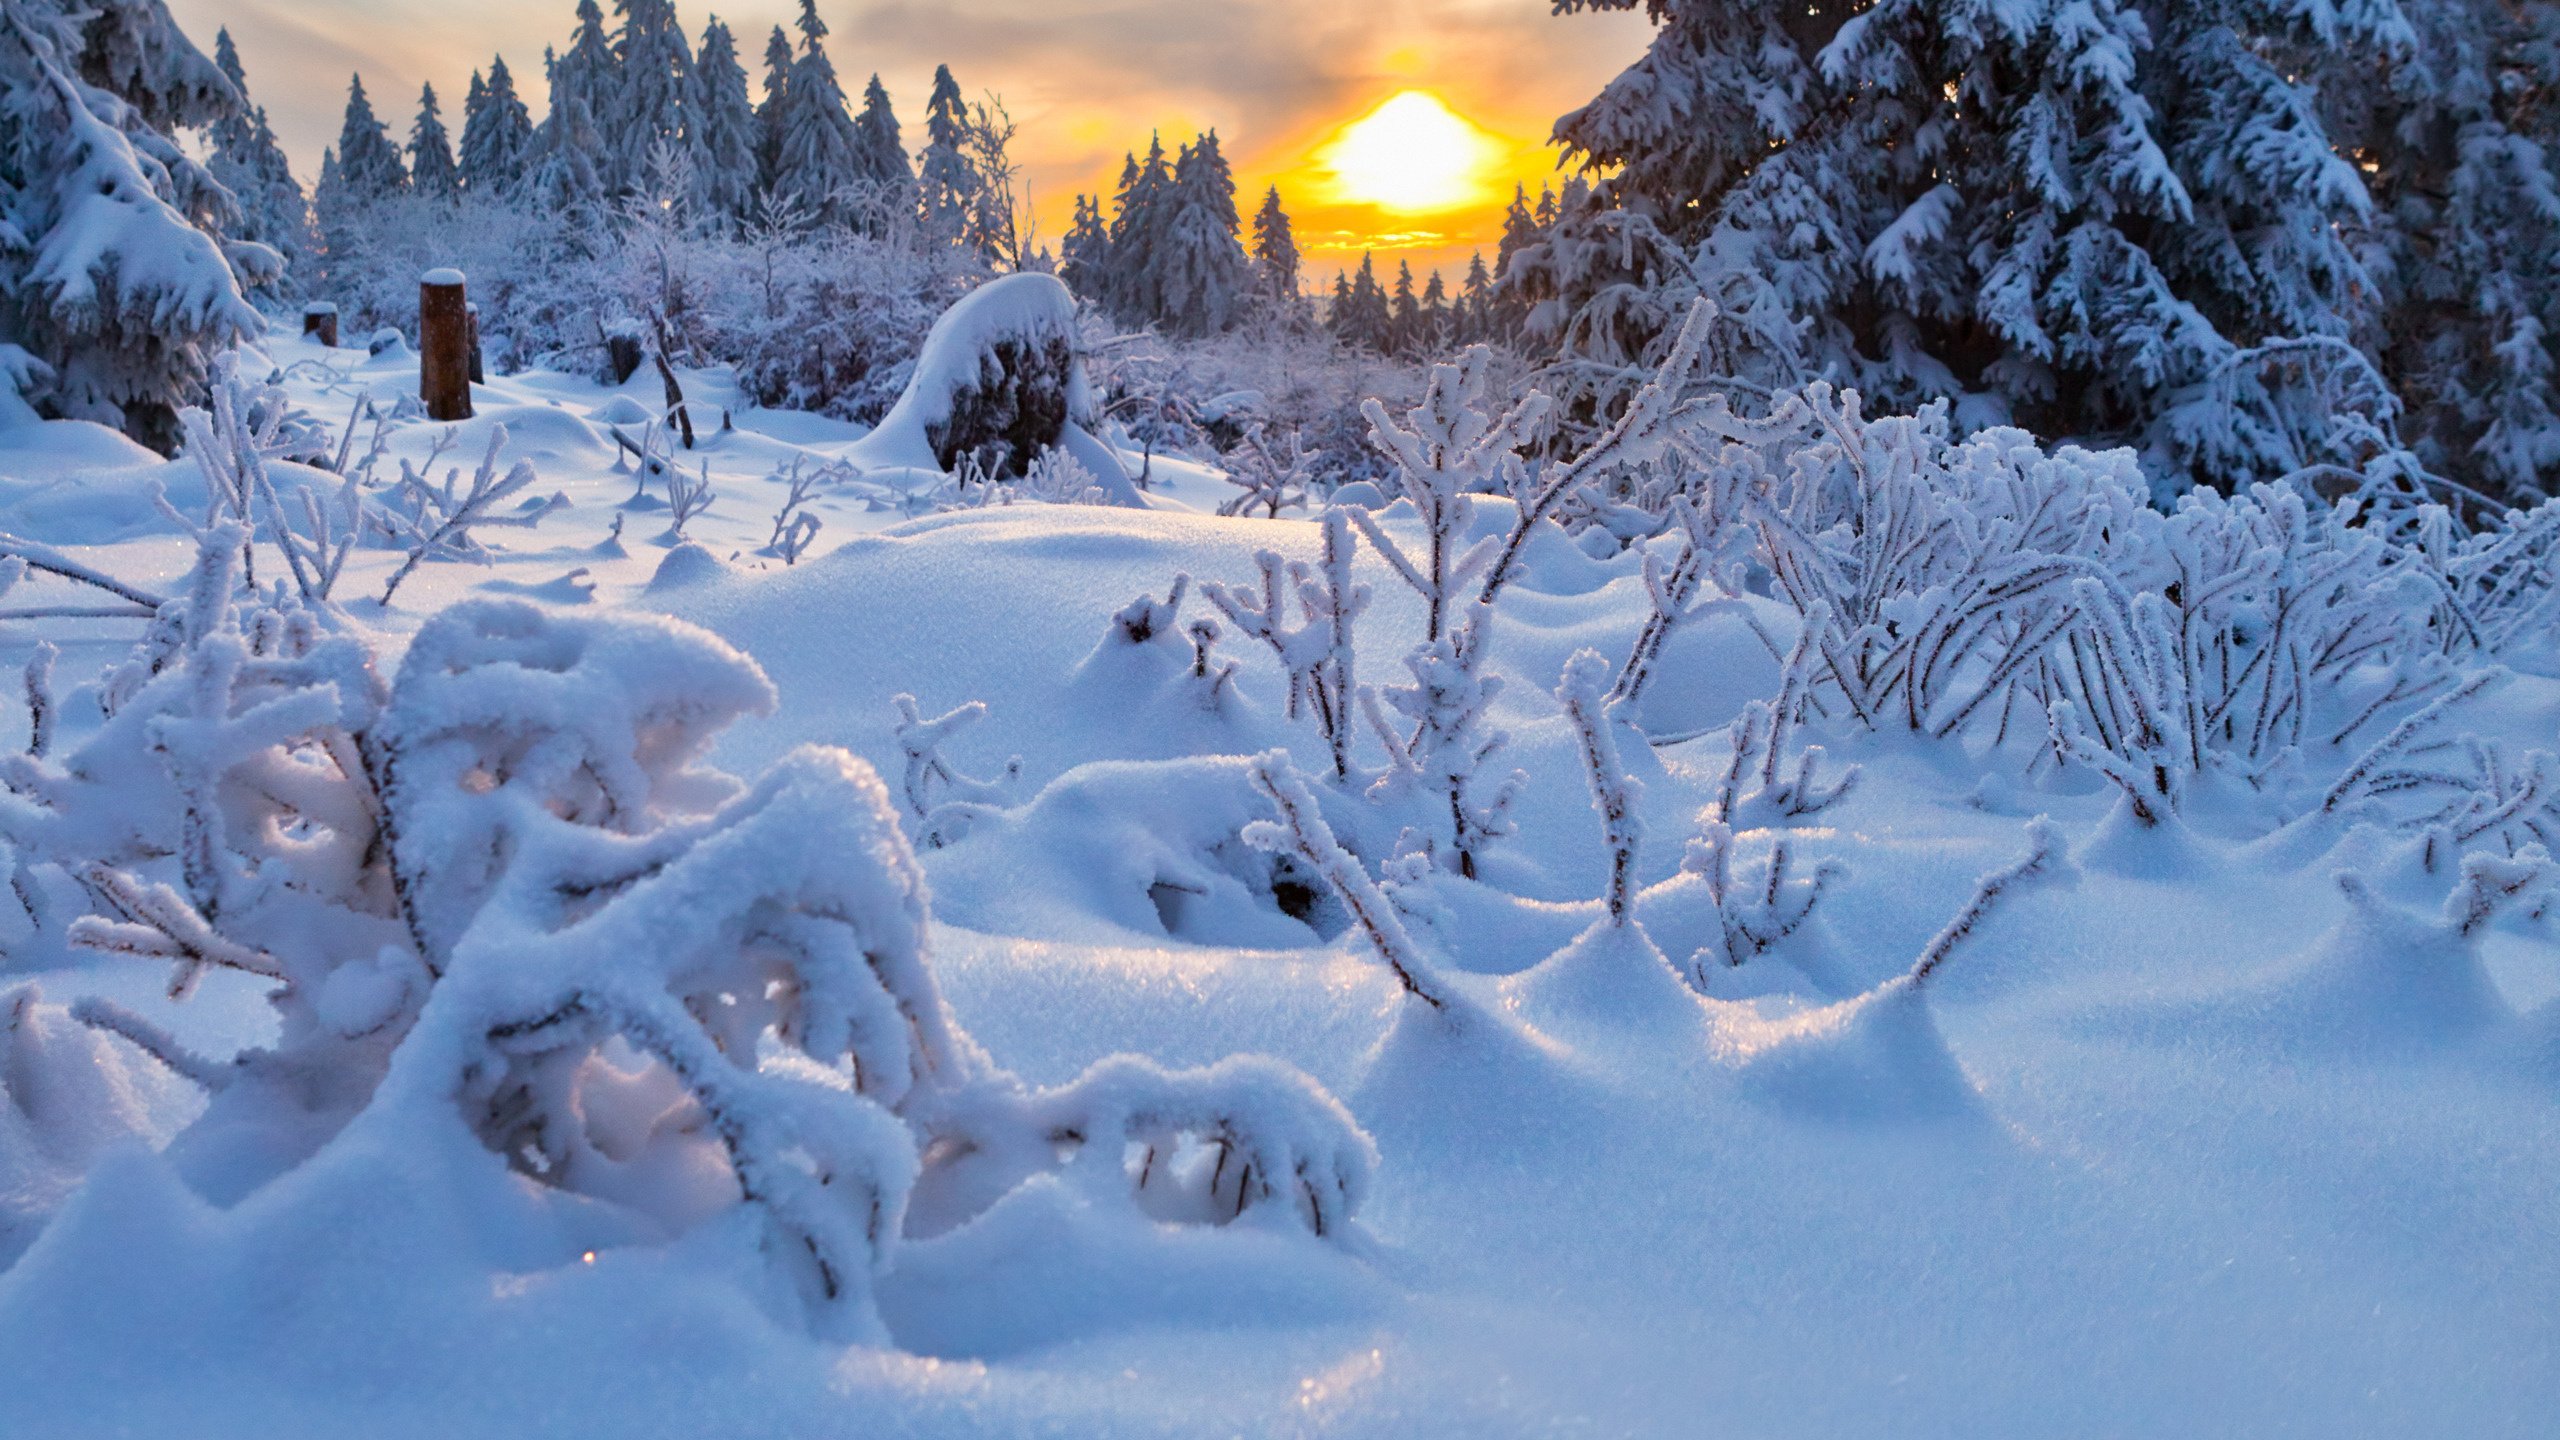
[2186,1138]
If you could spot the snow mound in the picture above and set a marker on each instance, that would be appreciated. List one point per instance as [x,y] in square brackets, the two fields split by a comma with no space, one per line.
[998,371]
[1875,1057]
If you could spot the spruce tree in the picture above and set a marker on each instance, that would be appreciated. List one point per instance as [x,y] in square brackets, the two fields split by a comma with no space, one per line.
[819,149]
[652,84]
[1084,256]
[1435,329]
[1519,233]
[248,162]
[1404,316]
[881,164]
[1360,315]
[1475,302]
[773,113]
[563,175]
[722,128]
[369,164]
[432,173]
[119,281]
[1140,212]
[2461,148]
[2108,222]
[1204,272]
[1275,253]
[947,182]
[497,136]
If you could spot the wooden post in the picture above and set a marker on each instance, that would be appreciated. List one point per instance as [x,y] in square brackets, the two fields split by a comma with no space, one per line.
[472,324]
[320,321]
[444,346]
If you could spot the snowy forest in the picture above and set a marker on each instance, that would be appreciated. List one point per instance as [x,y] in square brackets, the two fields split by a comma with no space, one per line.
[1892,770]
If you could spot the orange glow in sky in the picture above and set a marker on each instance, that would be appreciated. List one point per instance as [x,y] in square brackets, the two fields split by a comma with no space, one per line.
[1413,156]
[1393,125]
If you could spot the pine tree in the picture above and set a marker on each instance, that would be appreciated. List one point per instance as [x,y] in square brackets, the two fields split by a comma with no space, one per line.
[118,281]
[497,136]
[819,148]
[432,173]
[1084,257]
[1204,272]
[773,114]
[947,183]
[1434,330]
[722,128]
[369,165]
[653,80]
[1275,254]
[881,164]
[248,162]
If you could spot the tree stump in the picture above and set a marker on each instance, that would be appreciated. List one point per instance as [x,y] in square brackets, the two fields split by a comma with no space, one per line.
[320,322]
[444,346]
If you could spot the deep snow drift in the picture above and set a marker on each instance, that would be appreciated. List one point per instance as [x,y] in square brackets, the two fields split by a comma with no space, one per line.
[1875,1107]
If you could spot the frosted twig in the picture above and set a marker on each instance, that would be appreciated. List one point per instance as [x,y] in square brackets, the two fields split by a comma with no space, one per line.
[1614,793]
[1301,831]
[154,1041]
[2045,853]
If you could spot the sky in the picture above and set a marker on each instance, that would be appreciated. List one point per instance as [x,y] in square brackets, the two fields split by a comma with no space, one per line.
[1087,80]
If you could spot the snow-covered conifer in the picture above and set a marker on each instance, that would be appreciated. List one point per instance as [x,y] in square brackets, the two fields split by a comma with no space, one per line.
[249,162]
[820,152]
[1084,256]
[1142,211]
[773,112]
[1475,302]
[652,91]
[887,180]
[947,183]
[369,164]
[1404,313]
[721,128]
[118,282]
[497,136]
[432,173]
[1360,315]
[1199,263]
[1275,255]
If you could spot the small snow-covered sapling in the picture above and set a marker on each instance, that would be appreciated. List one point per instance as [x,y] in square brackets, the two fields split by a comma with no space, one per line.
[1445,447]
[2043,860]
[1584,693]
[1302,833]
[687,497]
[1445,750]
[1267,480]
[437,522]
[793,526]
[941,801]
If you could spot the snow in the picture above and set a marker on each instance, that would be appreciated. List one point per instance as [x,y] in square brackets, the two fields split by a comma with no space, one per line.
[2182,1134]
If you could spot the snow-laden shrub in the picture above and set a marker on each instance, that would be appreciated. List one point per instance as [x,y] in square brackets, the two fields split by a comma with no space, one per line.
[500,898]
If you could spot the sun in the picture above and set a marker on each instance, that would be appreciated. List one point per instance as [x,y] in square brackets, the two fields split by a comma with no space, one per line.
[1412,155]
